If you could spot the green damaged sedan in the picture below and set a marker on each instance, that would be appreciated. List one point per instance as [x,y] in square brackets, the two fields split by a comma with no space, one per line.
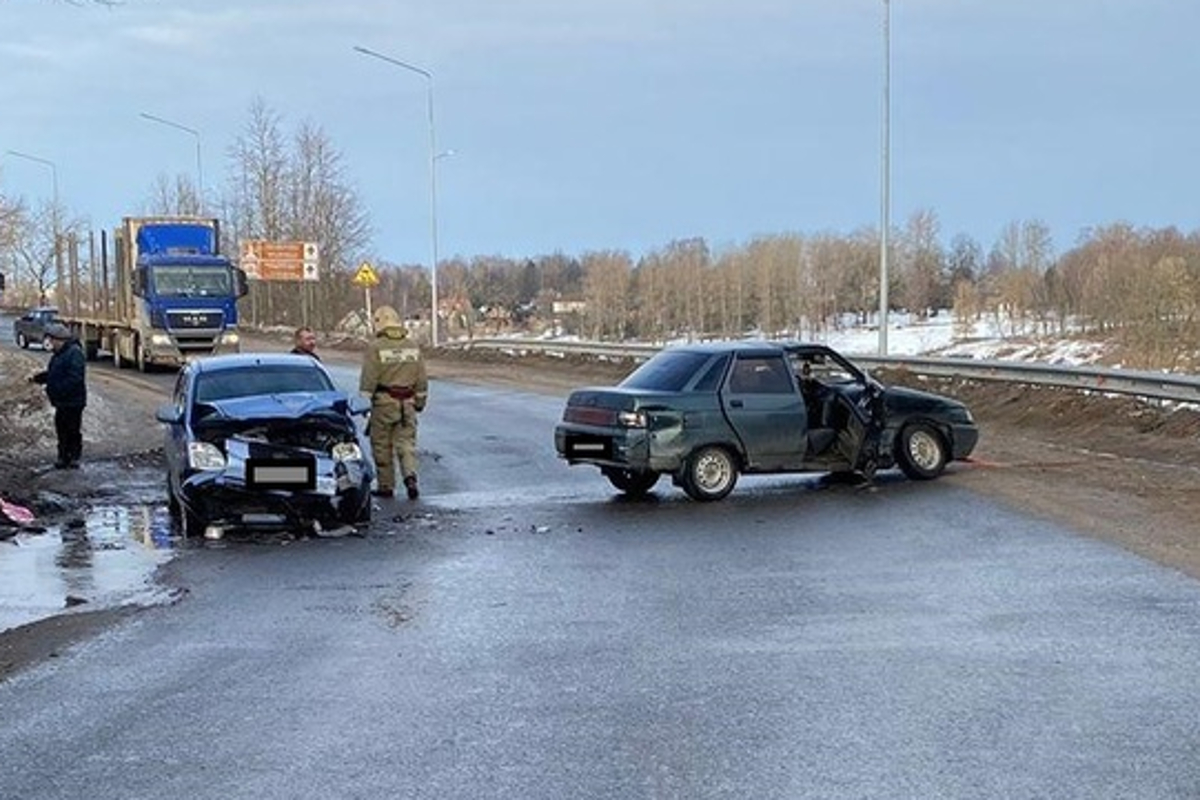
[706,413]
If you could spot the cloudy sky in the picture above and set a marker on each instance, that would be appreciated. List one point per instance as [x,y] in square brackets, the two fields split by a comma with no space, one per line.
[581,125]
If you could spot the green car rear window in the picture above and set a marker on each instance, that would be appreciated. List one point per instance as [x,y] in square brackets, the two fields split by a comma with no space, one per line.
[672,371]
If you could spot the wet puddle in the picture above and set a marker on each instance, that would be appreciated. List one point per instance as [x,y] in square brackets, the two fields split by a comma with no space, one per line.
[102,558]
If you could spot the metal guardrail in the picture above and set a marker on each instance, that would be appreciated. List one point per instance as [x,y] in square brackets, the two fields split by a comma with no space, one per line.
[1154,385]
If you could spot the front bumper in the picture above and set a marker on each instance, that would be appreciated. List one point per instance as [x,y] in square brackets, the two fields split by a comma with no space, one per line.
[223,497]
[964,438]
[177,347]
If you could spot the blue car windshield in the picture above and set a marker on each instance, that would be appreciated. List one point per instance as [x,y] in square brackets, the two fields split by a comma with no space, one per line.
[259,380]
[669,371]
[192,281]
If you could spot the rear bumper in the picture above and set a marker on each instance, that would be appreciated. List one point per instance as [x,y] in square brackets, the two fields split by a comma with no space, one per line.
[635,449]
[620,447]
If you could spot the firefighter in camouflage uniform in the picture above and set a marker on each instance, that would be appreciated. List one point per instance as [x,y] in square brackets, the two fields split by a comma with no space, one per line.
[393,375]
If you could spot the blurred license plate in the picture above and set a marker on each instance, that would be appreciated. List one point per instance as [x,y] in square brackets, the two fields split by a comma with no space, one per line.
[589,447]
[296,474]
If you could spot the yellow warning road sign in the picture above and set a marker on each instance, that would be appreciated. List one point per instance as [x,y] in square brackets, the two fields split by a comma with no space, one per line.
[366,275]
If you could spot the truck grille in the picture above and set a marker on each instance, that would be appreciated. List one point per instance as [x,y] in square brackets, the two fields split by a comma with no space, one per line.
[195,320]
[194,343]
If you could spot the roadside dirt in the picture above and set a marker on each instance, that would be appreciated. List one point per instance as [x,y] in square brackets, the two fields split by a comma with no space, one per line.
[118,425]
[1112,468]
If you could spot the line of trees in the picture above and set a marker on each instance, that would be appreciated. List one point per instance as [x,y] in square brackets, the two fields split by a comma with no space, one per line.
[1139,286]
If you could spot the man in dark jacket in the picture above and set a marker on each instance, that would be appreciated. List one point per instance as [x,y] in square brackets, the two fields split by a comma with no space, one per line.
[305,342]
[66,388]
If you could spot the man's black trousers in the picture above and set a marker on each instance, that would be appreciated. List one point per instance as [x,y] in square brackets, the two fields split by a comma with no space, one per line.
[68,427]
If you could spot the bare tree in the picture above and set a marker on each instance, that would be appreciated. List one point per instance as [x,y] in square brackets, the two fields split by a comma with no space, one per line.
[324,208]
[33,252]
[258,194]
[173,196]
[296,193]
[606,291]
[923,264]
[964,261]
[11,213]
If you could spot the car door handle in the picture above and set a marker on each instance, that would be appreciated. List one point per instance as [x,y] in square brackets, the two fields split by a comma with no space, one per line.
[735,403]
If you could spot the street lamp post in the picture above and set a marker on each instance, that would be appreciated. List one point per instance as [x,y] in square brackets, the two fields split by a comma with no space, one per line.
[199,162]
[433,159]
[54,217]
[886,179]
[53,172]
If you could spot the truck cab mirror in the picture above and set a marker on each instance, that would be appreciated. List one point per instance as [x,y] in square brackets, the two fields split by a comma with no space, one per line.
[141,282]
[240,282]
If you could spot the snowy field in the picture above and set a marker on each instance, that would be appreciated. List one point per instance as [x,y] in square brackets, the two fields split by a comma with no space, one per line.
[941,336]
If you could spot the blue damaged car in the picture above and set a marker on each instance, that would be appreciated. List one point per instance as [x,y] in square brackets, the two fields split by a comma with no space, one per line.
[259,440]
[706,413]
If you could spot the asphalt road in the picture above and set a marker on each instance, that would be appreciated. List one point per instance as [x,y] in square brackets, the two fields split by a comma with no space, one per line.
[522,632]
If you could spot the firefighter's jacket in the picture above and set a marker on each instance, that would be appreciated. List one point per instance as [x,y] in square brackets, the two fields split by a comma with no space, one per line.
[393,372]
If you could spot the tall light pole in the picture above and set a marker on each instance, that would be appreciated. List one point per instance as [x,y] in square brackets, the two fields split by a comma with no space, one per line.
[199,162]
[54,217]
[53,172]
[885,192]
[433,159]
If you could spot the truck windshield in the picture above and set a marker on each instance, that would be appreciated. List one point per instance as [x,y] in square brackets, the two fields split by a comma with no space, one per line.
[185,281]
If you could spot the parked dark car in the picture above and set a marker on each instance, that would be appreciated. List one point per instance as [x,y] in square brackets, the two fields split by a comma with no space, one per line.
[706,413]
[259,440]
[30,327]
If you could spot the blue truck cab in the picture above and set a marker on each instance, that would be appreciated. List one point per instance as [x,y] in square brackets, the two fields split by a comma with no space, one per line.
[176,295]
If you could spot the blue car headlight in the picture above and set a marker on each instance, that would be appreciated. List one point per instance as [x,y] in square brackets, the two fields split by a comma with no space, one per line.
[346,451]
[205,456]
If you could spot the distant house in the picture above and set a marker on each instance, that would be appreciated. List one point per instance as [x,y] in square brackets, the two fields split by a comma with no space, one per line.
[569,306]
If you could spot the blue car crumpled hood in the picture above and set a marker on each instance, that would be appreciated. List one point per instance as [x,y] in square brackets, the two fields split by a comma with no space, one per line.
[281,406]
[296,425]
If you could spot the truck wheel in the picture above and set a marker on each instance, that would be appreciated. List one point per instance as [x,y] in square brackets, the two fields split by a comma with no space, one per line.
[709,474]
[921,452]
[118,362]
[139,354]
[634,483]
[22,341]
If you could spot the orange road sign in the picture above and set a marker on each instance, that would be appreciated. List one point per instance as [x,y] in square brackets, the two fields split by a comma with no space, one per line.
[280,261]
